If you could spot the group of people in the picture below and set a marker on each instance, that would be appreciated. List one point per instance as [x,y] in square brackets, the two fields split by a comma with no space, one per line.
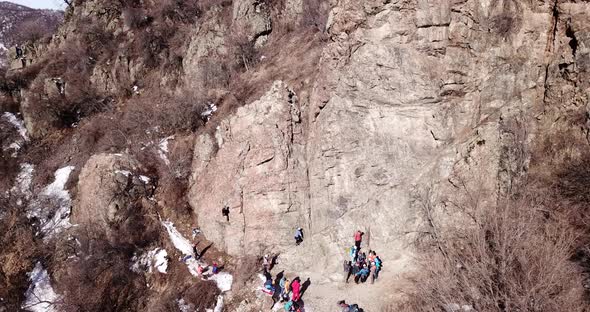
[282,289]
[361,265]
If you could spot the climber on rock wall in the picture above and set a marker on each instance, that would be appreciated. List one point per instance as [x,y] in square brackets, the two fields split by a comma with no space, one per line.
[225,212]
[298,236]
[358,237]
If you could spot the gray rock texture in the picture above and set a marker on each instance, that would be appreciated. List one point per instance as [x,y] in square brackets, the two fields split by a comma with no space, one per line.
[108,186]
[416,104]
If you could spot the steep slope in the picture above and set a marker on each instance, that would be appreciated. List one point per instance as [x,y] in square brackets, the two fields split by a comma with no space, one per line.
[413,121]
[20,23]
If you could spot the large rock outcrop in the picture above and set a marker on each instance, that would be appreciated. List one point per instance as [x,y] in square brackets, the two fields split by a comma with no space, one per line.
[108,187]
[252,164]
[417,104]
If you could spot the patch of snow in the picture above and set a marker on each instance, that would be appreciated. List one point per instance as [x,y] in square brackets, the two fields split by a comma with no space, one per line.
[218,305]
[144,179]
[14,146]
[24,179]
[211,108]
[156,258]
[60,220]
[19,124]
[40,297]
[56,189]
[123,172]
[163,149]
[3,47]
[223,280]
[183,306]
[181,243]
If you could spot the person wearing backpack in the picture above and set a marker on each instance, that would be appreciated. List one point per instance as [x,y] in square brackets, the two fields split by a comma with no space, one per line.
[378,264]
[354,252]
[286,289]
[298,236]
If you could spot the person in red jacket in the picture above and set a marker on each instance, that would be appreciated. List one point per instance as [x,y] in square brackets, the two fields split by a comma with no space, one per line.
[296,290]
[358,237]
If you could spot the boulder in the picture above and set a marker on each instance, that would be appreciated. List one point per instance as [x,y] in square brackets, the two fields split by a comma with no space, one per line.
[108,187]
[253,163]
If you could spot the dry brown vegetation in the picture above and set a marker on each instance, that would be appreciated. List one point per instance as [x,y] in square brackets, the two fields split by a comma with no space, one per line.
[528,253]
[19,250]
[88,121]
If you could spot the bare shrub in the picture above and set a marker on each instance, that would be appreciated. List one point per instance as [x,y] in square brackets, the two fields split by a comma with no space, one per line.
[513,257]
[100,279]
[315,14]
[19,250]
[202,297]
[244,53]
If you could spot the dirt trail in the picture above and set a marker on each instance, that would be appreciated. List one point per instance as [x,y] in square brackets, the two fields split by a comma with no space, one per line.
[327,288]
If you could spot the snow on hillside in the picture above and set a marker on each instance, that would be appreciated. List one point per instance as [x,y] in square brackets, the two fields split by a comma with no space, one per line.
[223,280]
[40,297]
[53,196]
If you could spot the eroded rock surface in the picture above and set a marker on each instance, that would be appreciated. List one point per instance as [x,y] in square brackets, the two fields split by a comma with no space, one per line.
[108,186]
[253,164]
[418,105]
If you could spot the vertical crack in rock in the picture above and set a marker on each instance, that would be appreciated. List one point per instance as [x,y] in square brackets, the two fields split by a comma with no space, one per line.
[550,49]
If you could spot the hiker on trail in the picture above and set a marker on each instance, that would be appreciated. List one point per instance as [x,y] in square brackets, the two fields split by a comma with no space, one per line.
[19,52]
[225,212]
[283,283]
[199,270]
[298,236]
[296,289]
[286,289]
[348,269]
[378,264]
[215,269]
[358,237]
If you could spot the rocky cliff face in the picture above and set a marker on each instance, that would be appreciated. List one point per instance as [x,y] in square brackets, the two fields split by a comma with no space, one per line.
[20,24]
[416,101]
[397,114]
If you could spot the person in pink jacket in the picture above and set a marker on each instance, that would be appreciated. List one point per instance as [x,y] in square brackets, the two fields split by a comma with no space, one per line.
[296,289]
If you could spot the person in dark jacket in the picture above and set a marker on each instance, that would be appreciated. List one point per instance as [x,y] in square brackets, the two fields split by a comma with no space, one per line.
[225,212]
[348,269]
[298,236]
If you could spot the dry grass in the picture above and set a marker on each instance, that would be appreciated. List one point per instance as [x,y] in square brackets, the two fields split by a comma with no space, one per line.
[19,250]
[514,257]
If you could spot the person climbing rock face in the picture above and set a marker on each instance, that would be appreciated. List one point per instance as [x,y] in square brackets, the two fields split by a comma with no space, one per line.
[298,236]
[225,212]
